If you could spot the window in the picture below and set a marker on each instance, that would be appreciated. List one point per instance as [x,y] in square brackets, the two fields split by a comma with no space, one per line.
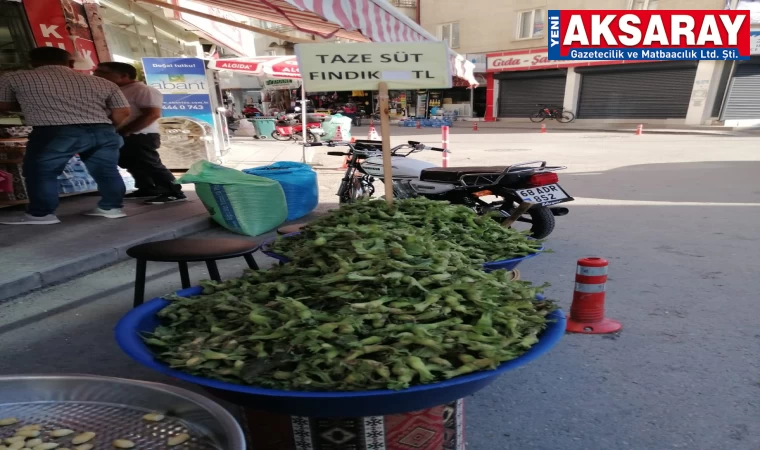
[643,4]
[530,24]
[449,32]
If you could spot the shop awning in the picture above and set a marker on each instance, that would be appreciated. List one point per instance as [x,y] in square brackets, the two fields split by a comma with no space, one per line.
[359,20]
[282,67]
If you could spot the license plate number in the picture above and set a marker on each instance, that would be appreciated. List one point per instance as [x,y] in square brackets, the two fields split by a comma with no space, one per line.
[317,130]
[550,194]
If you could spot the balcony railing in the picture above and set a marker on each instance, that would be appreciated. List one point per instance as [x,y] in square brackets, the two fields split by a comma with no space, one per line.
[404,3]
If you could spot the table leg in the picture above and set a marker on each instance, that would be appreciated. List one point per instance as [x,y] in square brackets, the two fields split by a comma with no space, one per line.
[184,275]
[140,282]
[251,262]
[213,271]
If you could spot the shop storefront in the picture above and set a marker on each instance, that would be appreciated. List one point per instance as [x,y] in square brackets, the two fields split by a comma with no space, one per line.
[15,37]
[519,92]
[611,91]
[636,91]
[742,103]
[133,33]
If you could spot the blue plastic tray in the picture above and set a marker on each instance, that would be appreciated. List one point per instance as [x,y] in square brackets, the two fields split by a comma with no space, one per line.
[505,264]
[323,404]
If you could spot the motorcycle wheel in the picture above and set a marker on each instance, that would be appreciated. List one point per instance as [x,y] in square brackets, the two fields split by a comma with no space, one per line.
[354,192]
[311,138]
[541,221]
[276,135]
[537,117]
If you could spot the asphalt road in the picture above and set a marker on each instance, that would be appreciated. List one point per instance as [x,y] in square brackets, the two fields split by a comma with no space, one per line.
[675,215]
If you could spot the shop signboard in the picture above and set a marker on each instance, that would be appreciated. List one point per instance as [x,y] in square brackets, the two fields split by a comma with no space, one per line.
[63,25]
[281,84]
[754,42]
[346,67]
[184,85]
[753,6]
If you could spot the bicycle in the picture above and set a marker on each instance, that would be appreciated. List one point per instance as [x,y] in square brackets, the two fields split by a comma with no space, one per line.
[545,112]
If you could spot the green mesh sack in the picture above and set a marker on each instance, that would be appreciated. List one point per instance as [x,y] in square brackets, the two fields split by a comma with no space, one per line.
[242,203]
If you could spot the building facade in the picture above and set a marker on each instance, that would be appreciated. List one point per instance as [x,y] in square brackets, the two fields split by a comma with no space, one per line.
[506,39]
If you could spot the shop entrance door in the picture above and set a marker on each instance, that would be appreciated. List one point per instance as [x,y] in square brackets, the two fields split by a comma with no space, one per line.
[636,91]
[519,92]
[743,98]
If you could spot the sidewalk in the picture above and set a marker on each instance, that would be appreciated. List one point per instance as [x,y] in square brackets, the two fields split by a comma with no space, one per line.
[551,125]
[36,256]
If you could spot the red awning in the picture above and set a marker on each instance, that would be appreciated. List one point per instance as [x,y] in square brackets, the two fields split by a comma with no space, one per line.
[360,20]
[263,66]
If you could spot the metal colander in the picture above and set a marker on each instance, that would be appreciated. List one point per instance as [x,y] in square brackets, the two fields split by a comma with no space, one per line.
[113,409]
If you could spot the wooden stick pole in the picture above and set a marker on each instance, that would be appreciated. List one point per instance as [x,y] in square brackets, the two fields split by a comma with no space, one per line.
[522,208]
[385,130]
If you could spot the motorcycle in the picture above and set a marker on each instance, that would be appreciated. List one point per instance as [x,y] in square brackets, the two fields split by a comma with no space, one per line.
[289,127]
[484,189]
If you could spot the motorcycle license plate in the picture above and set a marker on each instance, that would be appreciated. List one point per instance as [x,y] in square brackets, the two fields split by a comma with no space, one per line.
[318,131]
[548,195]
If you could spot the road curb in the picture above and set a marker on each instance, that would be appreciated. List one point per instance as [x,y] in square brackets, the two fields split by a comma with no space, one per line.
[79,265]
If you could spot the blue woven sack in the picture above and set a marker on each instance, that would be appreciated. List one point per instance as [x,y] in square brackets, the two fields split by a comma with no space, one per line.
[298,181]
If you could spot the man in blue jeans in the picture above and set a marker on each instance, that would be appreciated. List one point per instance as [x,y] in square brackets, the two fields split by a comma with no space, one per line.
[72,113]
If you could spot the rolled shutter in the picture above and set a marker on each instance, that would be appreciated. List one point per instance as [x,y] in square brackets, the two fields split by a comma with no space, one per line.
[639,91]
[519,92]
[743,99]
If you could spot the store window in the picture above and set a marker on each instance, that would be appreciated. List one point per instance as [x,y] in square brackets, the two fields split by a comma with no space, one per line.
[530,24]
[642,4]
[15,37]
[449,32]
[133,33]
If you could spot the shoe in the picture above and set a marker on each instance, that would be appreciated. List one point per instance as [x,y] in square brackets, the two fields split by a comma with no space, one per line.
[115,213]
[166,198]
[28,219]
[140,194]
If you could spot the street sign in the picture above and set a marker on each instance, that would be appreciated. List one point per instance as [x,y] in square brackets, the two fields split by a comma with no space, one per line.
[349,67]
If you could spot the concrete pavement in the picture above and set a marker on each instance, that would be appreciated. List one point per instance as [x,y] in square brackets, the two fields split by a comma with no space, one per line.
[675,215]
[34,257]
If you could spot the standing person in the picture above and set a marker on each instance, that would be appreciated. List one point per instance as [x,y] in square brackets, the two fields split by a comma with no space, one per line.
[141,137]
[71,113]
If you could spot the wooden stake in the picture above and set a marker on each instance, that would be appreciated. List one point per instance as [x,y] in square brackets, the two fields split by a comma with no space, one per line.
[521,209]
[385,130]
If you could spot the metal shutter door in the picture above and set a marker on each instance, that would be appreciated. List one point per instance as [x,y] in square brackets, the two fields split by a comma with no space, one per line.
[661,93]
[743,100]
[519,93]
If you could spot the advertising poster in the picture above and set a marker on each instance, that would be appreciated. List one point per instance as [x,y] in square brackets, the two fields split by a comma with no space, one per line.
[184,85]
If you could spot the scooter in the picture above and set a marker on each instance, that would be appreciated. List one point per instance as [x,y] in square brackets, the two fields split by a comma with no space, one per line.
[485,189]
[288,127]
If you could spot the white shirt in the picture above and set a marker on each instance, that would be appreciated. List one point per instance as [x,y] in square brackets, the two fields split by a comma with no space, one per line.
[56,95]
[140,96]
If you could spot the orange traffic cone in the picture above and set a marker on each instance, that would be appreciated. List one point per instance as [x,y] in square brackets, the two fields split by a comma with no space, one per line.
[543,128]
[587,309]
[474,126]
[418,125]
[338,135]
[639,130]
[373,136]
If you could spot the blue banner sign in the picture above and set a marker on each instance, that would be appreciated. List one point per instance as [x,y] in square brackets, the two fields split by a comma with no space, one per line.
[184,85]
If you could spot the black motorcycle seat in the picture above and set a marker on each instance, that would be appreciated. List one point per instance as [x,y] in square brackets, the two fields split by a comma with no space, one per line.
[451,174]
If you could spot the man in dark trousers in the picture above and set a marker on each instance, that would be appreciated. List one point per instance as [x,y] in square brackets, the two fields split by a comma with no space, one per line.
[72,113]
[141,137]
